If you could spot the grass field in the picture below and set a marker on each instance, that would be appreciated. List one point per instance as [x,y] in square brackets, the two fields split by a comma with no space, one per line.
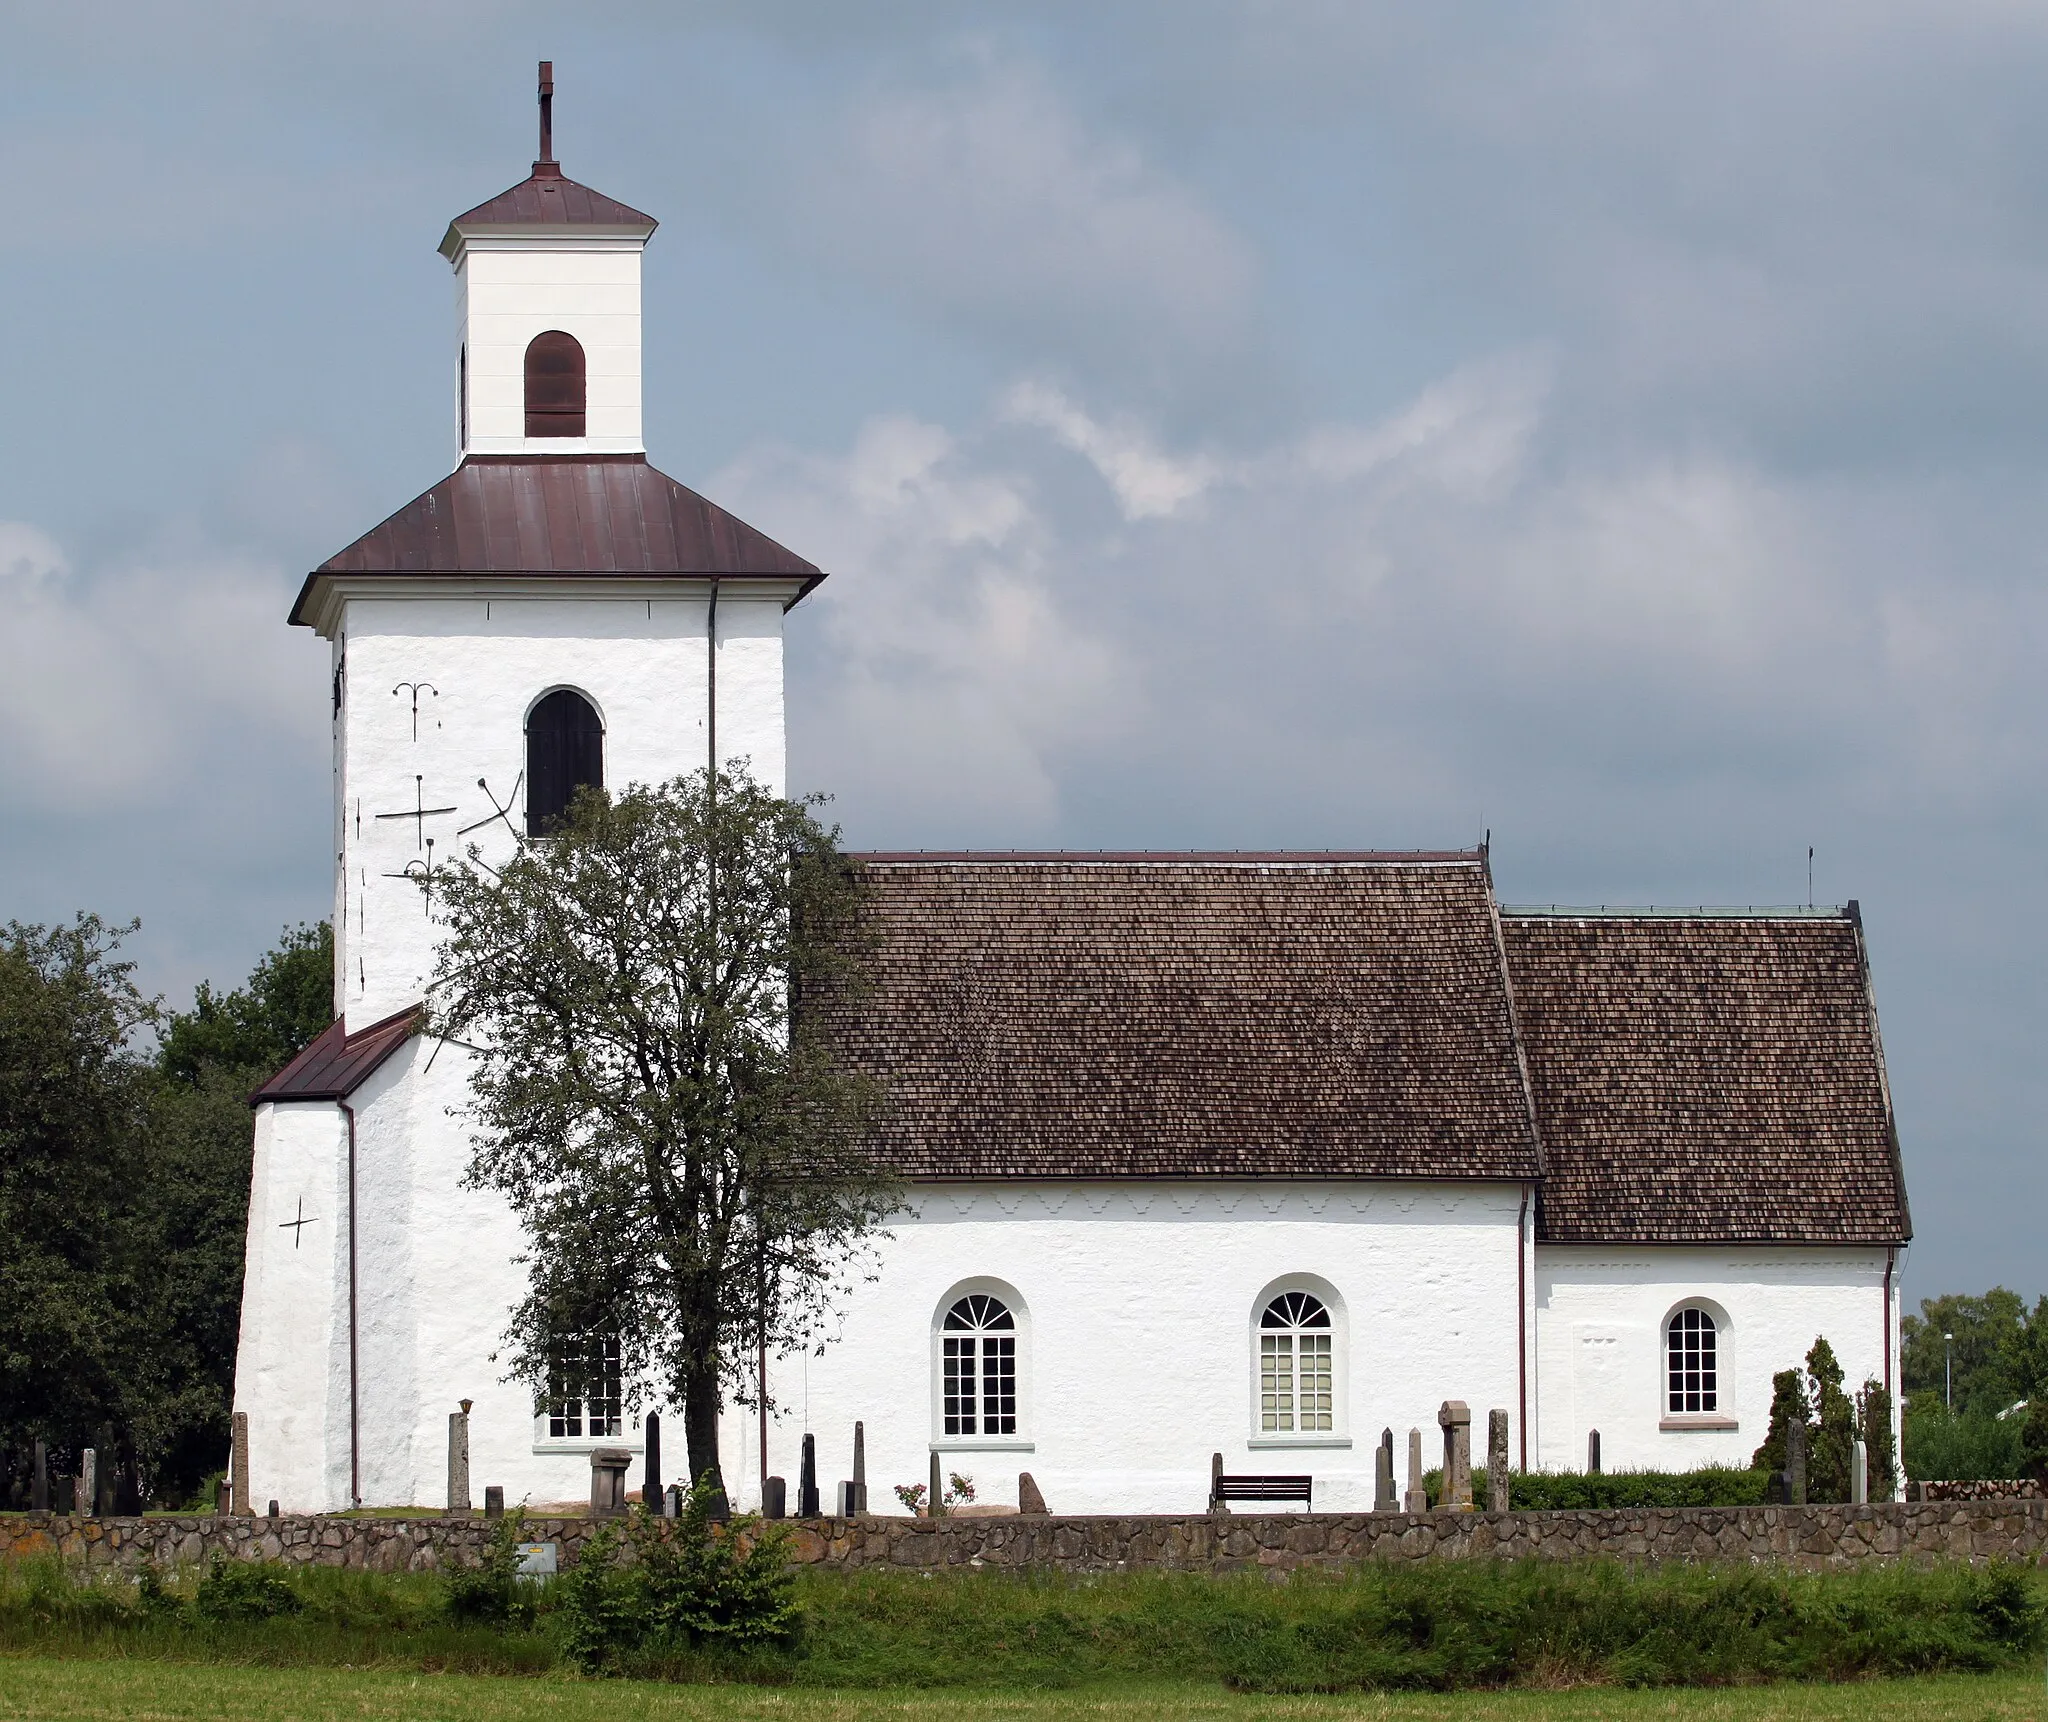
[53,1690]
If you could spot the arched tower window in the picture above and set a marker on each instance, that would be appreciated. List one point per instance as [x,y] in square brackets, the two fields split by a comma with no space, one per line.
[1297,1366]
[564,751]
[554,385]
[978,1346]
[1692,1346]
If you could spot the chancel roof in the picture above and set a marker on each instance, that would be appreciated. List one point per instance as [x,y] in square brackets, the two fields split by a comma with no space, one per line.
[1706,1078]
[1189,1016]
[599,515]
[1696,1078]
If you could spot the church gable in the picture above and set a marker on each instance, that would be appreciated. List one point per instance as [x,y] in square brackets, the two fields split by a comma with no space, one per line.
[1706,1079]
[1190,1016]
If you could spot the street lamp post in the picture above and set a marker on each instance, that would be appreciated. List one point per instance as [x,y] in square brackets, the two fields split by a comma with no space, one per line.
[1948,1374]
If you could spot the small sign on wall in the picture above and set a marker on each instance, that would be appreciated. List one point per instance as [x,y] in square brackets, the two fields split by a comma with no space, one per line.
[537,1560]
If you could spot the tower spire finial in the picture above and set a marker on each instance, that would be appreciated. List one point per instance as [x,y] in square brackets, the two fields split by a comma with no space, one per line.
[547,110]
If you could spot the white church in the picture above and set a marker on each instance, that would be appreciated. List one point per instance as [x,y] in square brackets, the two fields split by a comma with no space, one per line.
[1243,1153]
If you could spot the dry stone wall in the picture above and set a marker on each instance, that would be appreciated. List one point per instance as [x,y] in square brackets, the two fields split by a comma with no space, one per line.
[1812,1537]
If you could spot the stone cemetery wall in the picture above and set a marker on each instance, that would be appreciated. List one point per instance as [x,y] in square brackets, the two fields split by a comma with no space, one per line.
[1811,1537]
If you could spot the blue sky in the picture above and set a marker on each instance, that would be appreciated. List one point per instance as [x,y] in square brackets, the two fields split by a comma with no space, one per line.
[1228,424]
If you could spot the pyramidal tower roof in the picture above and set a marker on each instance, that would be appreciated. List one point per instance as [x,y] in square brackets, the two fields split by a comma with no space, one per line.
[547,198]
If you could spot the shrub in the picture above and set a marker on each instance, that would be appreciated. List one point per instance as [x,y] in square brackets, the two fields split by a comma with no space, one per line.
[489,1591]
[1964,1448]
[692,1585]
[245,1590]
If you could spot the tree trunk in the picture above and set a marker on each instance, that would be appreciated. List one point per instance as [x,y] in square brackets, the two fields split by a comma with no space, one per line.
[700,1426]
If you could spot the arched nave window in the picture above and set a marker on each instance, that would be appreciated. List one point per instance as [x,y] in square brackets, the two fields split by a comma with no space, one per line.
[554,385]
[564,752]
[1297,1366]
[1692,1362]
[978,1367]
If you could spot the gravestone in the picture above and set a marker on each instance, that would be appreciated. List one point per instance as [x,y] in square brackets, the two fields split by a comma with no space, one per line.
[458,1462]
[807,1481]
[1029,1500]
[1454,1417]
[672,1501]
[39,1480]
[608,1481]
[273,1511]
[223,1499]
[1416,1500]
[1593,1452]
[844,1508]
[651,1496]
[1777,1490]
[238,1467]
[1859,1473]
[1496,1461]
[1383,1474]
[494,1500]
[1795,1463]
[85,1494]
[860,1467]
[935,1500]
[774,1498]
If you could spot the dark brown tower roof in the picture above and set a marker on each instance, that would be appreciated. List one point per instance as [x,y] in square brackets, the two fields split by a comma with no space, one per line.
[547,198]
[605,516]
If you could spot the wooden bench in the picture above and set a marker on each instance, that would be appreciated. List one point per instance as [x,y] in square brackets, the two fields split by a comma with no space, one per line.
[1282,1488]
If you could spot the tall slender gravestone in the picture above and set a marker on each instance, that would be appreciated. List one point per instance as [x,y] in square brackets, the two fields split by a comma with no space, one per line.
[1496,1461]
[1454,1417]
[1383,1474]
[1859,1473]
[860,1467]
[935,1501]
[1593,1452]
[238,1467]
[1795,1463]
[458,1462]
[651,1496]
[807,1506]
[1417,1498]
[39,1480]
[85,1492]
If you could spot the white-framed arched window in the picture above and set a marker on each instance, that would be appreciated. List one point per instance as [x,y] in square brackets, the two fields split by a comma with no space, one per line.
[980,1367]
[1692,1362]
[1299,1366]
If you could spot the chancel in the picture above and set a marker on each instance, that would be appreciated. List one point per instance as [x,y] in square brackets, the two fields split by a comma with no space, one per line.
[1216,1165]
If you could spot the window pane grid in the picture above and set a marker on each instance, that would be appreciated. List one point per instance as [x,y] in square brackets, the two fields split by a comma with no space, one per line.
[1692,1364]
[978,1361]
[584,1400]
[1297,1366]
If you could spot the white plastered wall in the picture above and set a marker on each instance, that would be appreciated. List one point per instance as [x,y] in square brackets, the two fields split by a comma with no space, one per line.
[640,660]
[510,289]
[291,1361]
[1601,1315]
[1139,1304]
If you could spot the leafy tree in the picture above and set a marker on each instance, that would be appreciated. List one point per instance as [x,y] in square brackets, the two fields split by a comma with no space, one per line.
[2034,1440]
[2000,1352]
[124,1185]
[288,1002]
[74,1103]
[676,1138]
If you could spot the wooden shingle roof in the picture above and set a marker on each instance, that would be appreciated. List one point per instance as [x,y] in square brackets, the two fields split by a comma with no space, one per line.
[1284,1016]
[1706,1079]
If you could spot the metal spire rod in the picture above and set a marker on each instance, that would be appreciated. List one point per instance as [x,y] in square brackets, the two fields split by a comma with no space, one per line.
[547,110]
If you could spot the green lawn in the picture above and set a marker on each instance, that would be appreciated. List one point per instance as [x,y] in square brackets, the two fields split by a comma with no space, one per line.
[54,1690]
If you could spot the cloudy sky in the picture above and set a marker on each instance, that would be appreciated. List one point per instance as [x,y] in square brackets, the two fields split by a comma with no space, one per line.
[1248,424]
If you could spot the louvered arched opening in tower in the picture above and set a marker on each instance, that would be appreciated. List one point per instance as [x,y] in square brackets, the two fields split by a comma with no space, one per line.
[554,385]
[564,752]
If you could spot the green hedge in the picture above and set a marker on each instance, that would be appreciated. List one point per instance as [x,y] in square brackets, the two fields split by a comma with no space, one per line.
[1558,1491]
